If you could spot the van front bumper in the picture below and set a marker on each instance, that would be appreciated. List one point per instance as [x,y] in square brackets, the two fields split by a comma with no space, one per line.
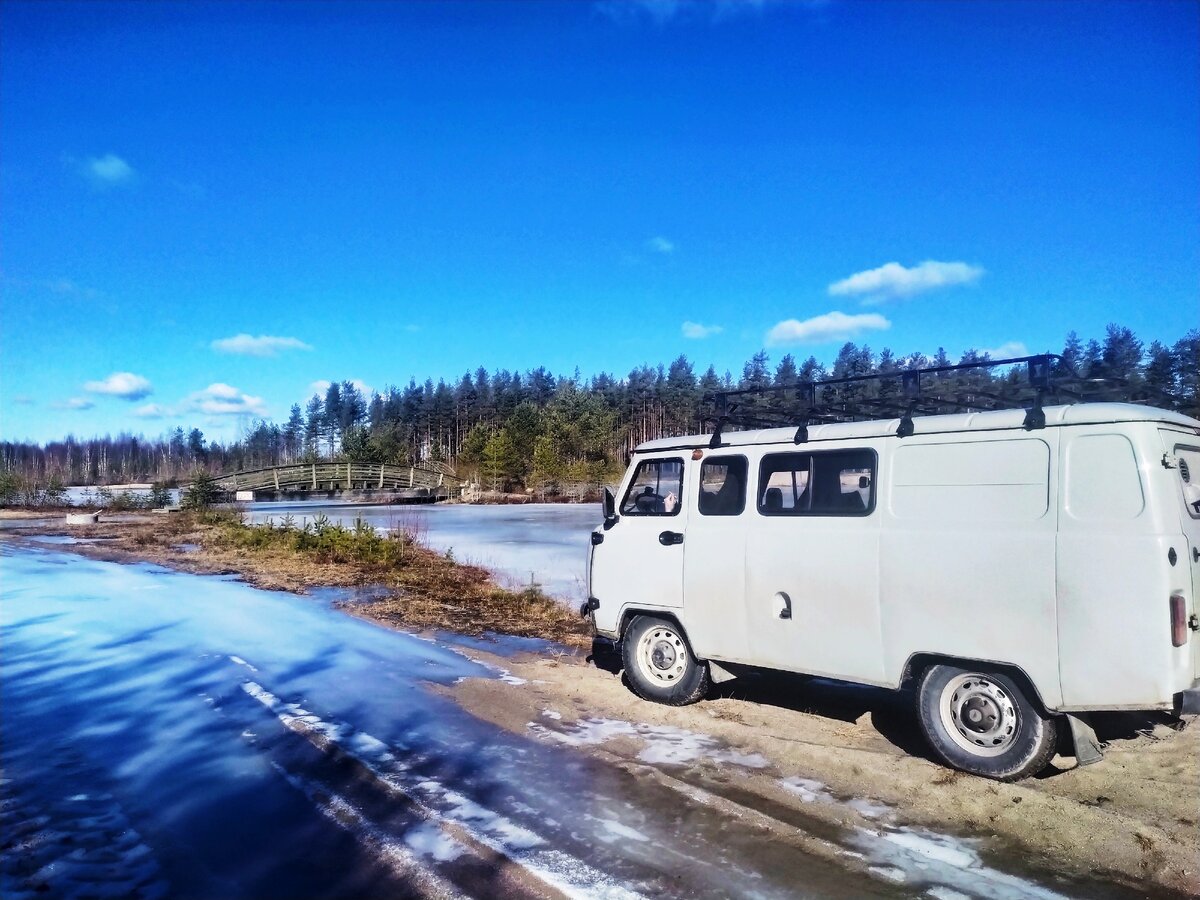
[1187,703]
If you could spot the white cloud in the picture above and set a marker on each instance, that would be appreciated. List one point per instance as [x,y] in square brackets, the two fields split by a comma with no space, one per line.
[105,171]
[892,280]
[661,12]
[152,411]
[75,403]
[660,244]
[698,332]
[658,11]
[1006,350]
[125,385]
[263,345]
[219,399]
[832,326]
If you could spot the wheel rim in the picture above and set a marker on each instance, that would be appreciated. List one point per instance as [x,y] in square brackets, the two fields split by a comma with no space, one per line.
[979,714]
[662,656]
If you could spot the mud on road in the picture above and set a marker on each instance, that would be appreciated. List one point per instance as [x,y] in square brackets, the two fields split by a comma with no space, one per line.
[843,770]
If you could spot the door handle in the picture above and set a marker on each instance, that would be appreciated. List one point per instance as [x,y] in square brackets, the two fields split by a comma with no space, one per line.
[667,538]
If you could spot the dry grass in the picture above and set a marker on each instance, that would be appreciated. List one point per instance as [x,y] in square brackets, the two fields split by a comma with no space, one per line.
[424,589]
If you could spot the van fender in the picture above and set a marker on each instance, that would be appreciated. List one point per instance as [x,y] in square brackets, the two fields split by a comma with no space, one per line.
[1087,746]
[921,660]
[629,613]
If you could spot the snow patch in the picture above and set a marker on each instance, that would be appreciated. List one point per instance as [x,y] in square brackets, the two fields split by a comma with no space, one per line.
[890,873]
[623,831]
[664,744]
[941,892]
[809,790]
[429,840]
[943,863]
[242,662]
[871,809]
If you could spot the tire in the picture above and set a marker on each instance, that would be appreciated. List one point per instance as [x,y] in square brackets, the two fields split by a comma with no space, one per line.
[659,664]
[981,721]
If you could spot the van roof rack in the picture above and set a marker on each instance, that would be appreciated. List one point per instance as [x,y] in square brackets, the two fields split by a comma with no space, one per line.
[904,393]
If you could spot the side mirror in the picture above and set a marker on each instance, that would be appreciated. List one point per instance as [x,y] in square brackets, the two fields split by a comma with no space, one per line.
[863,482]
[609,503]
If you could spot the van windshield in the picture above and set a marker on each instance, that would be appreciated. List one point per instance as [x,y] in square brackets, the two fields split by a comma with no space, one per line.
[1189,477]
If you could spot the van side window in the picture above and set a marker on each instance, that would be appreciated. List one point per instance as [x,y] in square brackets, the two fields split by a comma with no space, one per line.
[656,489]
[723,486]
[837,483]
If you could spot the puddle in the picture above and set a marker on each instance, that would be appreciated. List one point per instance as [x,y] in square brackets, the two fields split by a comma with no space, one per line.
[354,595]
[505,645]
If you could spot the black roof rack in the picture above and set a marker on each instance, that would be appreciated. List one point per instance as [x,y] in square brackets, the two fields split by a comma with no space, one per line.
[904,393]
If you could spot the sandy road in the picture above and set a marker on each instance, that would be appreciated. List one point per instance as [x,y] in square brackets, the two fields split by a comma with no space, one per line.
[843,770]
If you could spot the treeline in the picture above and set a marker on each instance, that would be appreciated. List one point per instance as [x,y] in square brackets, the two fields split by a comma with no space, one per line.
[537,429]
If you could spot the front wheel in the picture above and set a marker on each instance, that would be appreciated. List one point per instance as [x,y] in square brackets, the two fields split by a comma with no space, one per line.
[659,663]
[980,721]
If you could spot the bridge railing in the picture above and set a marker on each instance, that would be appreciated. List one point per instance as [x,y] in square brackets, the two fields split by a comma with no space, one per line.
[338,476]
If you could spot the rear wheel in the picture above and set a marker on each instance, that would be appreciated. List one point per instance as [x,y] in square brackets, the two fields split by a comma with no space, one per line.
[982,722]
[659,663]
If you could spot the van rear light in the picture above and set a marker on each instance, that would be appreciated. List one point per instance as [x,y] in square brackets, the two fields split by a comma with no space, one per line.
[1179,625]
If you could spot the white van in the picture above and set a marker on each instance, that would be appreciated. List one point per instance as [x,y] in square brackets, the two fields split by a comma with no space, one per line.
[1017,577]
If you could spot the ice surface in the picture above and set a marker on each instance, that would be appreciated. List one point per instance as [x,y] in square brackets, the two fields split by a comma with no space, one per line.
[944,863]
[542,542]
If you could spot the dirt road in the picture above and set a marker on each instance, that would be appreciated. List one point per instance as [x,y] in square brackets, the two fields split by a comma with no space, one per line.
[843,770]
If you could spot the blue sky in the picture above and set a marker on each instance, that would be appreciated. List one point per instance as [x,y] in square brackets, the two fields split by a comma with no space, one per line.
[398,190]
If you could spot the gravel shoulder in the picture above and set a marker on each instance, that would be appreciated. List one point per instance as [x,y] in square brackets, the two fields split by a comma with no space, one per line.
[843,758]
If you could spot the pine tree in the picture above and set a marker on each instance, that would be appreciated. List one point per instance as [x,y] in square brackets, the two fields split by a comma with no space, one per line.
[500,461]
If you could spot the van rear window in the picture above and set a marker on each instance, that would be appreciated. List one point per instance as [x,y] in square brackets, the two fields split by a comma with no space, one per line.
[837,483]
[655,490]
[1189,478]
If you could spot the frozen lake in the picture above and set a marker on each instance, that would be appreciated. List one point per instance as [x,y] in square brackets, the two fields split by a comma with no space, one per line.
[542,542]
[173,735]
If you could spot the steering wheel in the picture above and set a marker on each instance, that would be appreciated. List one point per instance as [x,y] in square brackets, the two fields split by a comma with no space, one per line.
[648,503]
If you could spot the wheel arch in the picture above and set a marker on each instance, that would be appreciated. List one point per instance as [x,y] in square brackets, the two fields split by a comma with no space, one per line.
[628,615]
[920,661]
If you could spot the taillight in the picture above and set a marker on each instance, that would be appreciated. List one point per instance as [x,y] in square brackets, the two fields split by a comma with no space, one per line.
[1179,627]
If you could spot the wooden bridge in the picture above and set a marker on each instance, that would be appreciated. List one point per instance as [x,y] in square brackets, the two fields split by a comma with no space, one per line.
[426,481]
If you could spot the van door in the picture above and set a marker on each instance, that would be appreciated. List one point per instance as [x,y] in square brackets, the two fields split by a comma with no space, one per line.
[812,565]
[640,561]
[714,563]
[1186,452]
